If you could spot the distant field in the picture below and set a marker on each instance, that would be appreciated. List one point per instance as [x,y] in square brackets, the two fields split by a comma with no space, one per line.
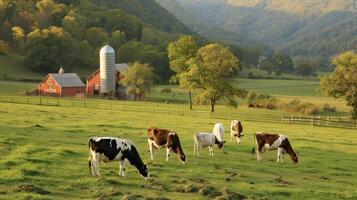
[284,90]
[44,156]
[281,87]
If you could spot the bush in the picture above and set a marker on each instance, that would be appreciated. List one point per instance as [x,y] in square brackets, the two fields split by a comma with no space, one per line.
[297,106]
[166,90]
[328,108]
[3,47]
[262,101]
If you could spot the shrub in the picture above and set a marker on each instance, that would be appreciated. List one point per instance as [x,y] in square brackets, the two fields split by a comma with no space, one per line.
[166,90]
[3,47]
[328,108]
[297,106]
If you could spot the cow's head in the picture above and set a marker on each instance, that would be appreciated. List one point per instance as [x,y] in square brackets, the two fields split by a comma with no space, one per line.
[219,143]
[295,158]
[152,130]
[144,172]
[182,157]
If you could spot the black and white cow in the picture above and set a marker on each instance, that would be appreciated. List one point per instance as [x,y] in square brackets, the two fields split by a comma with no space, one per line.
[202,140]
[218,131]
[267,141]
[236,130]
[107,149]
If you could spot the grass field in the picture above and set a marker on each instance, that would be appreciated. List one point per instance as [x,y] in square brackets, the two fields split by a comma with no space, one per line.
[44,156]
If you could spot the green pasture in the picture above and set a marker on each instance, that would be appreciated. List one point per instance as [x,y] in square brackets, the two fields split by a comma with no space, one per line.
[44,156]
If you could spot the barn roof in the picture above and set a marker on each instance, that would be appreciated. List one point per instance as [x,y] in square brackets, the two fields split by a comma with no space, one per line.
[68,80]
[121,67]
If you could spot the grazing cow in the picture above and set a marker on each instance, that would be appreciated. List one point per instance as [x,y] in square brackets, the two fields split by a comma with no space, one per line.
[202,140]
[266,141]
[106,149]
[236,130]
[165,138]
[218,131]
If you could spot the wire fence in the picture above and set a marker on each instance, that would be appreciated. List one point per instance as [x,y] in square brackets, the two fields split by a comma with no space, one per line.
[181,110]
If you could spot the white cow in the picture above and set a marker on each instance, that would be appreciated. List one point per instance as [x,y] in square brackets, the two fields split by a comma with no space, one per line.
[202,140]
[218,131]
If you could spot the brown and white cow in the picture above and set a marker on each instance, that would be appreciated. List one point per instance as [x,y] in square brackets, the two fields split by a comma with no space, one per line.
[107,149]
[202,140]
[159,138]
[267,141]
[236,130]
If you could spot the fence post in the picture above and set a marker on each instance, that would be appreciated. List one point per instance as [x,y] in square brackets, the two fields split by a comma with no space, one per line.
[282,119]
[290,120]
[312,120]
[319,120]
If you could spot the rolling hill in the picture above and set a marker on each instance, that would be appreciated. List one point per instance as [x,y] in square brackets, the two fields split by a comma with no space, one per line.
[302,28]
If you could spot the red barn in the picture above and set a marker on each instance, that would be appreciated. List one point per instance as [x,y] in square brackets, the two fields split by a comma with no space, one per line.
[93,81]
[62,84]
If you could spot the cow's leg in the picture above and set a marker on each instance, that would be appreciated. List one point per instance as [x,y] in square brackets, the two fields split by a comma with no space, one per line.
[95,163]
[280,155]
[210,150]
[122,168]
[92,167]
[194,149]
[151,149]
[167,154]
[232,136]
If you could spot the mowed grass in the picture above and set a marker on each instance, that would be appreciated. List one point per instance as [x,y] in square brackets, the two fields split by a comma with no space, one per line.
[44,156]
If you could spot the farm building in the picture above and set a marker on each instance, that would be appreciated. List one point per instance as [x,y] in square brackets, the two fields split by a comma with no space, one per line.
[61,84]
[94,82]
[105,80]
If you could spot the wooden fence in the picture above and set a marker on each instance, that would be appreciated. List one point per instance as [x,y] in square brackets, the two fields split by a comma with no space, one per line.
[178,109]
[328,121]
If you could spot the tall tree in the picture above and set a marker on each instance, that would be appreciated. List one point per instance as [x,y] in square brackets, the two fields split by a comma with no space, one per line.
[180,52]
[342,82]
[18,35]
[138,79]
[212,71]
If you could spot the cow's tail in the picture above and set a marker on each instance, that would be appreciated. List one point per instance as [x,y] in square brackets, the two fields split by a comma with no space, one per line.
[90,156]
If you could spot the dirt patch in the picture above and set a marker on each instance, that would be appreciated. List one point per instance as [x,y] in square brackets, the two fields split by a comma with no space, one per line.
[324,178]
[189,188]
[30,188]
[198,180]
[180,181]
[38,126]
[156,198]
[209,191]
[153,185]
[279,182]
[229,195]
[132,197]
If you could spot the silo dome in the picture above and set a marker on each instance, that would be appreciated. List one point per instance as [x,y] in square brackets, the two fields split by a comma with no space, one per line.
[107,69]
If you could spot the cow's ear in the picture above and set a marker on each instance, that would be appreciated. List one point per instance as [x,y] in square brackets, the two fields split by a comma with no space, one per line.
[149,129]
[224,142]
[155,130]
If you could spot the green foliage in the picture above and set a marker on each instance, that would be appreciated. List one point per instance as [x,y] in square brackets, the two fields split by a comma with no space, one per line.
[3,47]
[212,71]
[138,79]
[179,53]
[52,48]
[297,106]
[342,82]
[143,27]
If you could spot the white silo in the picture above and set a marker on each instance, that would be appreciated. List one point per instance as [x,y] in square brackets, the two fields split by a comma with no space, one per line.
[107,69]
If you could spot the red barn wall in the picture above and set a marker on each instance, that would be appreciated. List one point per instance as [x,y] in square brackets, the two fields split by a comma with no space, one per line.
[92,82]
[72,91]
[49,87]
